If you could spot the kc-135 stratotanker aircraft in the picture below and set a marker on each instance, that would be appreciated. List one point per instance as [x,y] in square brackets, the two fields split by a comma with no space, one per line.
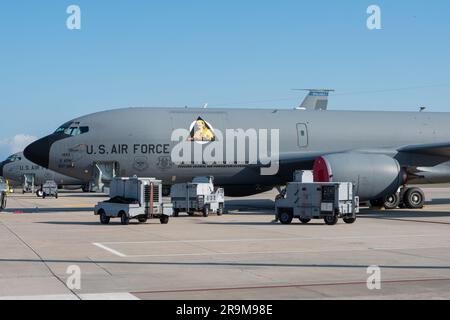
[20,171]
[249,151]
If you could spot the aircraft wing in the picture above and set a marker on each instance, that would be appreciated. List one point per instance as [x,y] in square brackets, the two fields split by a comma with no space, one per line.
[434,149]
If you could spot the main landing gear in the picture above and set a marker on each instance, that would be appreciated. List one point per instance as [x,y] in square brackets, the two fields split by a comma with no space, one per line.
[410,198]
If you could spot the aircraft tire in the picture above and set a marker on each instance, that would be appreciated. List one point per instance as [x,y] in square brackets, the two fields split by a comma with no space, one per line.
[414,198]
[305,221]
[39,193]
[176,212]
[392,202]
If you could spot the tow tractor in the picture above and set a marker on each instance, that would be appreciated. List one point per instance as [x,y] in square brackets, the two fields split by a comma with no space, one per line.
[316,200]
[49,189]
[200,195]
[134,198]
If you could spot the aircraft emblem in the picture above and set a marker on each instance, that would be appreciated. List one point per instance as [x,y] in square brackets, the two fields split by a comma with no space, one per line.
[165,162]
[140,163]
[201,131]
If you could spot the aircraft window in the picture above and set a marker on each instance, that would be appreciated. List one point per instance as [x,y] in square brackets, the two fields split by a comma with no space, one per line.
[14,158]
[71,130]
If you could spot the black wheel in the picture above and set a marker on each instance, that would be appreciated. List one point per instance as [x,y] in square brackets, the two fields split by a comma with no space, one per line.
[305,221]
[190,213]
[176,212]
[414,198]
[43,195]
[285,217]
[206,210]
[104,219]
[331,220]
[56,196]
[124,219]
[39,193]
[392,202]
[220,210]
[377,203]
[164,219]
[349,220]
[3,201]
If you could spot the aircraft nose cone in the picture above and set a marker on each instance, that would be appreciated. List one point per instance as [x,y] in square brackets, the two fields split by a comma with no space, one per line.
[39,152]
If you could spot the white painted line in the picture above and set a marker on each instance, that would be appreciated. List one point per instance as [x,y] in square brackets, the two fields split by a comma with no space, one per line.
[90,296]
[279,239]
[273,252]
[109,296]
[117,253]
[57,297]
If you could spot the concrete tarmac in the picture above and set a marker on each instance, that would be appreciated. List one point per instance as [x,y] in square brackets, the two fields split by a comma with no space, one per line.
[241,255]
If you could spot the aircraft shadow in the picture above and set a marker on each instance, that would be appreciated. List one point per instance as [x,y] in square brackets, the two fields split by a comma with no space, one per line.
[230,264]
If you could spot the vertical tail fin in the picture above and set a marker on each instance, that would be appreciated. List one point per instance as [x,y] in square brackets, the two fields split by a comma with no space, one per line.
[317,99]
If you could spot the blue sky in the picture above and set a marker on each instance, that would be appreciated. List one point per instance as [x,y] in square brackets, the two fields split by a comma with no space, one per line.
[226,53]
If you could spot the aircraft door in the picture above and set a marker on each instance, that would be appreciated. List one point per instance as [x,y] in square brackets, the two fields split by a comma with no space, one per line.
[302,135]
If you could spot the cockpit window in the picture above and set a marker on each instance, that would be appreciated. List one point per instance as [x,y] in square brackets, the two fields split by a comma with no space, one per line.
[14,158]
[72,129]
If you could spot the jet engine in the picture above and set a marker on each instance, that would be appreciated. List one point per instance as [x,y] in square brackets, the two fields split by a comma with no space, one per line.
[374,175]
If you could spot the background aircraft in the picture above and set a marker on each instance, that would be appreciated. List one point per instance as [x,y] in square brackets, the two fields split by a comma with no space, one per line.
[378,151]
[18,170]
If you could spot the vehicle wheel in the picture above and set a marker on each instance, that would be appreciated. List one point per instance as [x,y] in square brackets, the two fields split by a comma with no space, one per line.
[190,214]
[304,221]
[206,211]
[124,219]
[39,193]
[143,219]
[43,195]
[56,196]
[414,198]
[349,220]
[164,219]
[104,219]
[3,201]
[220,210]
[285,217]
[331,220]
[392,202]
[176,212]
[377,203]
